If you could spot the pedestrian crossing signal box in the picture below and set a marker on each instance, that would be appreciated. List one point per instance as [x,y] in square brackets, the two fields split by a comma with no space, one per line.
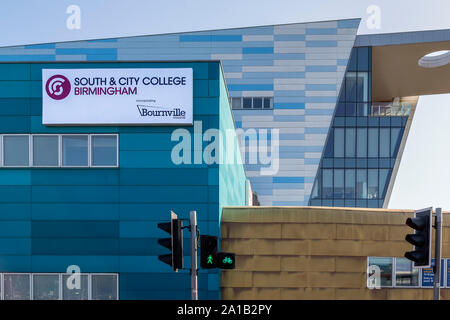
[208,252]
[210,258]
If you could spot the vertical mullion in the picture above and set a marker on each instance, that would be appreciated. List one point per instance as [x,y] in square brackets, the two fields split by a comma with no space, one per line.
[2,152]
[89,275]
[60,152]
[60,286]
[31,275]
[89,150]
[30,150]
[117,150]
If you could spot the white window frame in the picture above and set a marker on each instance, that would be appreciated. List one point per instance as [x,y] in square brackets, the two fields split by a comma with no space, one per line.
[60,149]
[32,150]
[88,153]
[60,282]
[104,274]
[3,151]
[45,274]
[91,155]
[18,273]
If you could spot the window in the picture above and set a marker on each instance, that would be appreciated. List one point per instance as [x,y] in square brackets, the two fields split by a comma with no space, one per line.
[395,140]
[350,142]
[361,146]
[405,274]
[70,293]
[373,143]
[258,103]
[384,174]
[361,184]
[247,103]
[104,287]
[16,150]
[54,286]
[372,185]
[339,142]
[75,150]
[236,103]
[399,273]
[350,86]
[53,150]
[268,103]
[350,184]
[45,287]
[385,265]
[327,184]
[362,109]
[362,87]
[45,150]
[338,184]
[17,287]
[384,143]
[104,150]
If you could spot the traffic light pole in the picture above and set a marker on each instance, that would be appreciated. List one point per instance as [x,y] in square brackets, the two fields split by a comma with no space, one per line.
[194,247]
[437,263]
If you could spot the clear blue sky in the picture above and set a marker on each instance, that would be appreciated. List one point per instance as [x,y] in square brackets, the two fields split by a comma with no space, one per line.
[424,176]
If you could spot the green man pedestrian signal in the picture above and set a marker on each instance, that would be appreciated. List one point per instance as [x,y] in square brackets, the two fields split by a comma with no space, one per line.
[421,239]
[208,252]
[174,243]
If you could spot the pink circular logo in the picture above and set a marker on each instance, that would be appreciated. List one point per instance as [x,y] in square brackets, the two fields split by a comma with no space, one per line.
[57,87]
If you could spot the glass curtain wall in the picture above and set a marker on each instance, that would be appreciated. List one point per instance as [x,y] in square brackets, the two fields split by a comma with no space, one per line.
[361,149]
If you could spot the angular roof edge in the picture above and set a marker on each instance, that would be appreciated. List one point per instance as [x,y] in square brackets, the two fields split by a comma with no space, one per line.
[398,38]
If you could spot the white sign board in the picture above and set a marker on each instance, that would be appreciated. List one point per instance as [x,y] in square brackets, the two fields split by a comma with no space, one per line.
[140,96]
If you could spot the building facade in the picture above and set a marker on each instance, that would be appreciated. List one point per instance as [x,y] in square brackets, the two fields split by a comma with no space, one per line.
[283,77]
[323,121]
[90,197]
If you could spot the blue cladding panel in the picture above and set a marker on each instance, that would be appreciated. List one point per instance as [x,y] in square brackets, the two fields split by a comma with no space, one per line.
[105,219]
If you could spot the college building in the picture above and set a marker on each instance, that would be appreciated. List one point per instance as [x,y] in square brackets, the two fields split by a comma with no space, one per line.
[309,114]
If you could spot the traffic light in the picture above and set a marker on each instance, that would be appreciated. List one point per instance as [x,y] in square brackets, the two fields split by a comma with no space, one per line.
[225,260]
[421,239]
[208,252]
[174,243]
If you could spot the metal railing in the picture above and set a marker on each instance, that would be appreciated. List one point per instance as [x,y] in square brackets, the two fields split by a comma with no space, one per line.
[390,109]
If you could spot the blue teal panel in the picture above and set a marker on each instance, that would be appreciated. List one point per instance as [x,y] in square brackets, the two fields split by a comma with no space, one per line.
[15,246]
[70,211]
[14,124]
[201,88]
[74,229]
[15,193]
[158,194]
[15,177]
[19,71]
[15,211]
[75,246]
[60,194]
[74,176]
[15,89]
[92,263]
[18,263]
[15,106]
[15,229]
[163,177]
